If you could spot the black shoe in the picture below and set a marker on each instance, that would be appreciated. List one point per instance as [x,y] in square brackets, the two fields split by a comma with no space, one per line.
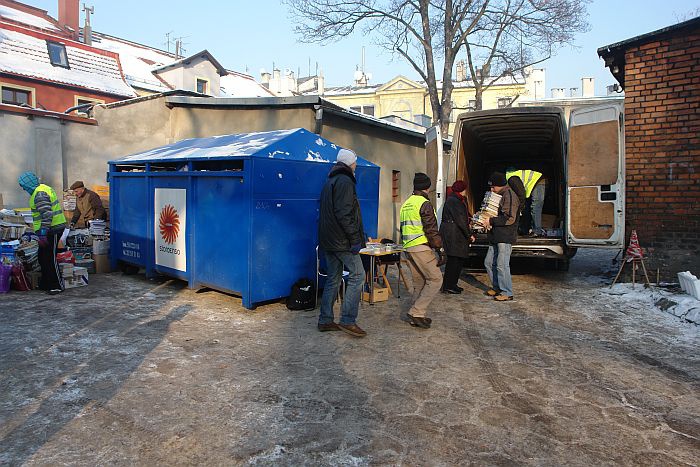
[54,291]
[451,291]
[461,289]
[418,322]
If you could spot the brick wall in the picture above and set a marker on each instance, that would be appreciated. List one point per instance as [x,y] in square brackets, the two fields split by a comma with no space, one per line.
[662,138]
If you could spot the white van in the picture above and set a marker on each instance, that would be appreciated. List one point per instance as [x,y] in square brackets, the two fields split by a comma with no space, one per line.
[583,164]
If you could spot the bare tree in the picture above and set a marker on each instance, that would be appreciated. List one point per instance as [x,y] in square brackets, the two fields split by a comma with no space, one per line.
[513,35]
[422,32]
[427,33]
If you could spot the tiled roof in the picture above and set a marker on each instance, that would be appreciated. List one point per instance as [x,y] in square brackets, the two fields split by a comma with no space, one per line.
[138,61]
[240,85]
[26,54]
[37,18]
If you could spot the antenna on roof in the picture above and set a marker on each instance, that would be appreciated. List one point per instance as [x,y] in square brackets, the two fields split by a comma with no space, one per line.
[180,46]
[167,40]
[87,29]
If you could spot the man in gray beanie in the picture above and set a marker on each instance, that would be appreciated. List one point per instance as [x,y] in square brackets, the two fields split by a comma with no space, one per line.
[420,236]
[341,237]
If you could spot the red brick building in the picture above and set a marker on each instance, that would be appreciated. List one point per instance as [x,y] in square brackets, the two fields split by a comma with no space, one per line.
[660,74]
[43,66]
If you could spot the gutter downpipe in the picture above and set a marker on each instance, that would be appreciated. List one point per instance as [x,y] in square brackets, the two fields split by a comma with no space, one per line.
[318,126]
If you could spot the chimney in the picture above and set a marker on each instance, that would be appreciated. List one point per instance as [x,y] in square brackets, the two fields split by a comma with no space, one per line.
[321,84]
[573,92]
[69,15]
[461,74]
[265,76]
[87,27]
[588,87]
[558,93]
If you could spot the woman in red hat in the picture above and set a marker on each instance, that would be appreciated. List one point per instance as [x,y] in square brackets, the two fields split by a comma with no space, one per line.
[455,233]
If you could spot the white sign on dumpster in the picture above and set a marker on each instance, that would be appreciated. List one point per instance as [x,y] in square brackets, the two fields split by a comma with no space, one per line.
[170,222]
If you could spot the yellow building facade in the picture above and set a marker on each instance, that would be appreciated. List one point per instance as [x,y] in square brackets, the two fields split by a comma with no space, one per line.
[409,100]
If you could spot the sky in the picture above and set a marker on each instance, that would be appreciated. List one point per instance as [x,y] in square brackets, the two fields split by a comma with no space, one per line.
[251,35]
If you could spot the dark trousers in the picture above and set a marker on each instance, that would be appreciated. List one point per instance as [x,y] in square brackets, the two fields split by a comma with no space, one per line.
[453,268]
[50,275]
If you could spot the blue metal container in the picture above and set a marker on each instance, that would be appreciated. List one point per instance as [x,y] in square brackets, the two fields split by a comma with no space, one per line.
[236,213]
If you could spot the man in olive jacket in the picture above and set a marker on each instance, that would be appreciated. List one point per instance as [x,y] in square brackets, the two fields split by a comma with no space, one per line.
[88,206]
[341,237]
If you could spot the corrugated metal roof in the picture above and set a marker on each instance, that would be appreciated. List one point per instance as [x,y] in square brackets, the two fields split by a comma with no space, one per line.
[295,144]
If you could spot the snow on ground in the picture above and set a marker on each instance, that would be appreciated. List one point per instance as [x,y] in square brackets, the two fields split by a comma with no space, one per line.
[680,305]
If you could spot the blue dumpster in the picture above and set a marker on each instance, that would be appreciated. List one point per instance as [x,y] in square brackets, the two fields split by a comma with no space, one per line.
[236,213]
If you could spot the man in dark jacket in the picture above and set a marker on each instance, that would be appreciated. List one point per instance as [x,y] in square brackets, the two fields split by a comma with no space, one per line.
[420,236]
[502,234]
[341,237]
[455,233]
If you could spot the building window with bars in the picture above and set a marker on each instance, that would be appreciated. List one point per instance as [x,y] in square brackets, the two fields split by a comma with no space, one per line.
[396,186]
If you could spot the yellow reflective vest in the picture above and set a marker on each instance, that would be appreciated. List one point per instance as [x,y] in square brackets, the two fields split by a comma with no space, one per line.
[411,225]
[57,217]
[529,178]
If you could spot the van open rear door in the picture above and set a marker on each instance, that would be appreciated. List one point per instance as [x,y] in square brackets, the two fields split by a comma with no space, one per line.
[595,204]
[436,168]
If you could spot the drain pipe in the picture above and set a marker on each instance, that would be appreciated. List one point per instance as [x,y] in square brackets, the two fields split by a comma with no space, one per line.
[318,127]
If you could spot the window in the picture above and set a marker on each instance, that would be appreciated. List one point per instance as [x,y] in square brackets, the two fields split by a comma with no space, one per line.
[81,100]
[57,54]
[16,96]
[504,102]
[363,109]
[396,186]
[202,86]
[472,104]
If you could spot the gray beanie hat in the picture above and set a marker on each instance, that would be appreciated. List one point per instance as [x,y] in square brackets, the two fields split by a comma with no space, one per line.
[346,156]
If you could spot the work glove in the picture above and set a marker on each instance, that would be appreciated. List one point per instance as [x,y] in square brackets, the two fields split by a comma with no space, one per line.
[355,249]
[442,258]
[72,225]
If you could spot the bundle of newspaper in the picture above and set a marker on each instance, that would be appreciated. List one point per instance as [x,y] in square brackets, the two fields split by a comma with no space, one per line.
[489,209]
[97,227]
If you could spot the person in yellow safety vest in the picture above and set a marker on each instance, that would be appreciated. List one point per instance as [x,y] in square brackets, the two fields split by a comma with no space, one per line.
[420,236]
[535,188]
[49,225]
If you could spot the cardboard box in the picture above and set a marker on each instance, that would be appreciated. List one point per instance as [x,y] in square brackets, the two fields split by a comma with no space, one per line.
[549,221]
[102,191]
[380,294]
[88,264]
[102,265]
[80,278]
[100,247]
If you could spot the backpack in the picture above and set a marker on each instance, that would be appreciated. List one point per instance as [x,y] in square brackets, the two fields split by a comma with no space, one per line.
[302,296]
[518,187]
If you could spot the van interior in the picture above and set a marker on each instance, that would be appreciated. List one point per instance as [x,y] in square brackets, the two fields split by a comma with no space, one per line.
[519,138]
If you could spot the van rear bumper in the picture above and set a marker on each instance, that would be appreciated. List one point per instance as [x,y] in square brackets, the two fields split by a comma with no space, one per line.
[530,248]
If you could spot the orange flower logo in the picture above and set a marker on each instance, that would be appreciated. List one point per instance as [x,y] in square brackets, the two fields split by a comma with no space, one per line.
[169,224]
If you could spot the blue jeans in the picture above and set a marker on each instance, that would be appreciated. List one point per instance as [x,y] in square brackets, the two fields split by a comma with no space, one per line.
[537,201]
[497,264]
[335,260]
